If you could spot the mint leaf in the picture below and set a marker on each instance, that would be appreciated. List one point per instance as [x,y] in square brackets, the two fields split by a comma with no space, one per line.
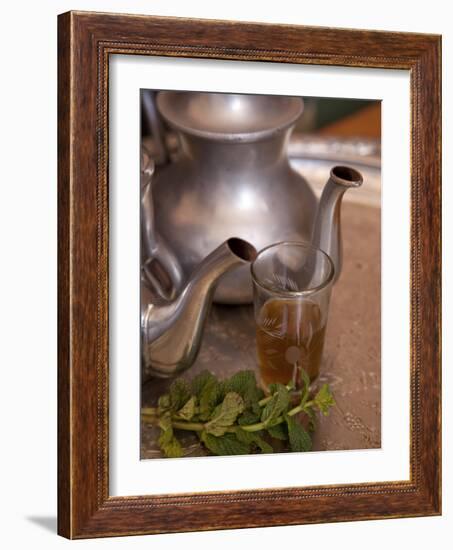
[279,431]
[210,394]
[179,393]
[323,400]
[305,378]
[277,404]
[163,404]
[249,417]
[299,439]
[169,445]
[254,438]
[244,383]
[305,393]
[187,412]
[225,414]
[165,420]
[227,444]
[199,382]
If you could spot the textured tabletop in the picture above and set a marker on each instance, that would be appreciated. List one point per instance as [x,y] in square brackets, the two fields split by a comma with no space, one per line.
[352,357]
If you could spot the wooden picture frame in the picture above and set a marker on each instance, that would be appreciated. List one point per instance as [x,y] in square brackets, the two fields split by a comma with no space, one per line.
[85,42]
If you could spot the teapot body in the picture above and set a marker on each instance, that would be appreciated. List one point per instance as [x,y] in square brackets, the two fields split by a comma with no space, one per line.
[218,189]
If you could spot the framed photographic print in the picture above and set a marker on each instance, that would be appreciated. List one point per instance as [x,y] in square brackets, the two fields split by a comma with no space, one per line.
[249,275]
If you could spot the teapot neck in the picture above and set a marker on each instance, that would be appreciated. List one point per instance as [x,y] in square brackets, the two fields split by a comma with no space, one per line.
[236,155]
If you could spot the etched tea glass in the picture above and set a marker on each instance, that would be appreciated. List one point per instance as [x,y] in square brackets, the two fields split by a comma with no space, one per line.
[292,283]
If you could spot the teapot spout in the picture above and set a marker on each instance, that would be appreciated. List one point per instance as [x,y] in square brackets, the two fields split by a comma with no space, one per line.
[172,330]
[327,228]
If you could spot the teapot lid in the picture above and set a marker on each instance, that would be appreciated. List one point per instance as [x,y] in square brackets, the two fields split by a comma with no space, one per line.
[229,117]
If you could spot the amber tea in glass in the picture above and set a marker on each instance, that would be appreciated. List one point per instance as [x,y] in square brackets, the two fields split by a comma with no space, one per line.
[289,334]
[292,285]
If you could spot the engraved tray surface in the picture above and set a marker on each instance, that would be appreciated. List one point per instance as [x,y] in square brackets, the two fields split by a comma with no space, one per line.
[351,361]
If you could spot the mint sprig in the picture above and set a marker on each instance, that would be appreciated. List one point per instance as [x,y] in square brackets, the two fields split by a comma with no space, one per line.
[234,417]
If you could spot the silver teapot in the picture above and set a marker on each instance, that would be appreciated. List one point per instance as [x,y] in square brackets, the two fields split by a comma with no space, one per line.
[233,177]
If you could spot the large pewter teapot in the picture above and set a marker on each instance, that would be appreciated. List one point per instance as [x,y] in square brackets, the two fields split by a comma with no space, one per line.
[233,177]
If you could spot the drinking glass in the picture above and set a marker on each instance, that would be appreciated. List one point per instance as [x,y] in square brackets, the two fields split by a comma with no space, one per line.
[292,283]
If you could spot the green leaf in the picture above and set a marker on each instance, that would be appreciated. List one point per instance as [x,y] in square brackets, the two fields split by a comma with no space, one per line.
[187,412]
[279,431]
[305,392]
[227,444]
[244,383]
[256,409]
[277,404]
[225,414]
[165,420]
[249,417]
[179,393]
[305,378]
[323,400]
[200,381]
[163,404]
[210,396]
[169,445]
[299,439]
[254,438]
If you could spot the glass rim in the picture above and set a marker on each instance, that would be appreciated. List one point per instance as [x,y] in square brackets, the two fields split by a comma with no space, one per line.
[294,293]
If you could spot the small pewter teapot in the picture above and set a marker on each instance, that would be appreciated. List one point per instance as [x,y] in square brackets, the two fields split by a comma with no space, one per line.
[232,176]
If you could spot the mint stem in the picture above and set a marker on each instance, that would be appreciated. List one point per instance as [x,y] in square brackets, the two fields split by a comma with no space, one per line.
[198,426]
[192,426]
[262,425]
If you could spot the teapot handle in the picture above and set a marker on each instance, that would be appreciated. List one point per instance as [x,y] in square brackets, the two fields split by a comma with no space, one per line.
[160,267]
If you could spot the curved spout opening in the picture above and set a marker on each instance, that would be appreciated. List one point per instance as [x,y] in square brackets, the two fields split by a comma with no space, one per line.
[346,176]
[242,249]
